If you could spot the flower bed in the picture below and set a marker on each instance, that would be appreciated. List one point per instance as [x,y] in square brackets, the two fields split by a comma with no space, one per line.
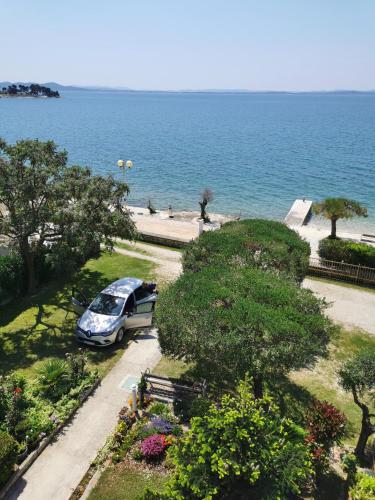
[32,410]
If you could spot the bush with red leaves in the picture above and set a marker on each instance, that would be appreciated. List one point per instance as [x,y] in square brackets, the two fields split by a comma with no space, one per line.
[153,446]
[326,426]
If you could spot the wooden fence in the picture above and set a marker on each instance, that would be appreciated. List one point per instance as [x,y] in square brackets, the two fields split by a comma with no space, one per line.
[342,271]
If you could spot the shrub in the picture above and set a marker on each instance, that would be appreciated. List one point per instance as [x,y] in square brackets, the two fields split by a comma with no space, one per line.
[325,423]
[153,446]
[161,425]
[253,242]
[11,274]
[347,251]
[242,448]
[8,456]
[199,407]
[363,488]
[53,378]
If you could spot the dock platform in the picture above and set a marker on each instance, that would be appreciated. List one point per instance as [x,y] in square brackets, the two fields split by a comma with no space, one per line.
[299,213]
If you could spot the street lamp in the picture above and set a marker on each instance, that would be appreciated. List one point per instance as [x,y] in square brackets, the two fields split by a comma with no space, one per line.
[123,165]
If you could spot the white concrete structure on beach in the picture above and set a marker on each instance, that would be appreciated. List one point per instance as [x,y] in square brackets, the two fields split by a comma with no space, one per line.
[299,213]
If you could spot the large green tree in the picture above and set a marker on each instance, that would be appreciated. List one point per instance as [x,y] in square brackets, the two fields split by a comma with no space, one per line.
[243,448]
[266,244]
[357,376]
[230,321]
[339,208]
[48,206]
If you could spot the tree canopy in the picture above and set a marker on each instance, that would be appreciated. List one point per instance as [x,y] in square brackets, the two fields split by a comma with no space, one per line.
[339,208]
[33,90]
[49,208]
[242,448]
[230,321]
[266,244]
[357,376]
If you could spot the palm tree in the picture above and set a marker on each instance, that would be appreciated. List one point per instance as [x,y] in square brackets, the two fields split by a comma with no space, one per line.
[339,208]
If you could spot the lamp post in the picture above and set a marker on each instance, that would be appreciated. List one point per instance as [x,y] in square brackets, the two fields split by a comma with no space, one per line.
[123,165]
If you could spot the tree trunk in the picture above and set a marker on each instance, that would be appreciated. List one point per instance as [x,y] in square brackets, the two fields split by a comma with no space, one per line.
[29,266]
[366,430]
[333,228]
[257,386]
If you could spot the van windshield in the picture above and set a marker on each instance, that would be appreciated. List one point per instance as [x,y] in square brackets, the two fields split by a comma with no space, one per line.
[107,304]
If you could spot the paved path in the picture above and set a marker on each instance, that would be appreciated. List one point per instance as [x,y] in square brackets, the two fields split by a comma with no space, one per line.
[61,466]
[351,307]
[168,262]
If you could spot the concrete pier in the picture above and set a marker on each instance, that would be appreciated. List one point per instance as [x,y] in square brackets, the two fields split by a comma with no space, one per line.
[299,213]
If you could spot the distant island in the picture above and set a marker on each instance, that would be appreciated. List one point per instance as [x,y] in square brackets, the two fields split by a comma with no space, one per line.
[32,90]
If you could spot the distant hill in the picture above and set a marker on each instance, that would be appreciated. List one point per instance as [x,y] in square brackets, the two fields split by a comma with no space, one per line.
[59,87]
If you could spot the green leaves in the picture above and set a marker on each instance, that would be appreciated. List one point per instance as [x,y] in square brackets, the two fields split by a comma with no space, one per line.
[268,245]
[241,445]
[233,321]
[51,208]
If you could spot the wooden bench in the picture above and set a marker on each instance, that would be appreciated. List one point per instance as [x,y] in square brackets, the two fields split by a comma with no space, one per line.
[169,389]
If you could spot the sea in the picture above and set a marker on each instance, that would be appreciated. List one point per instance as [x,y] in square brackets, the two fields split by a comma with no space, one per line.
[257,152]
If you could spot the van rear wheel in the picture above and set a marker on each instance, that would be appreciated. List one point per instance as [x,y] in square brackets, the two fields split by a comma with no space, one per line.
[120,335]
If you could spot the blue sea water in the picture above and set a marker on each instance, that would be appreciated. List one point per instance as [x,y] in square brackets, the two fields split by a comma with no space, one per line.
[257,152]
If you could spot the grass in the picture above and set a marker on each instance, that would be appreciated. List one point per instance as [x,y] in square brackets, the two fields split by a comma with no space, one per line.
[121,483]
[173,368]
[133,247]
[38,327]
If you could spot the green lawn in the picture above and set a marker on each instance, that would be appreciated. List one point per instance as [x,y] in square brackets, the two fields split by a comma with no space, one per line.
[121,483]
[35,328]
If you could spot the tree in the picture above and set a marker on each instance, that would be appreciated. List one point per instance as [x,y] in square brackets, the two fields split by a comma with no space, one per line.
[357,376]
[266,244]
[51,208]
[338,208]
[207,197]
[230,321]
[243,448]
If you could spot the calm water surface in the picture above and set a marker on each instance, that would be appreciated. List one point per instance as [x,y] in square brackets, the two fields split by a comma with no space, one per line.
[257,152]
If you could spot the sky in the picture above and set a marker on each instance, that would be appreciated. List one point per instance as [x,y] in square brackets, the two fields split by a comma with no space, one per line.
[191,44]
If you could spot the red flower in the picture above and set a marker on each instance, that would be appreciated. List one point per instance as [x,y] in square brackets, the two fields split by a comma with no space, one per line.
[17,390]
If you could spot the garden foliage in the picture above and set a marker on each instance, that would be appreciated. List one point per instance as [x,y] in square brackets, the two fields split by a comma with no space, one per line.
[243,447]
[8,456]
[363,487]
[11,275]
[347,251]
[266,244]
[326,427]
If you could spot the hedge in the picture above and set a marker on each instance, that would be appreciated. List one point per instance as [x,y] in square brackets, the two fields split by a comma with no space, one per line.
[258,243]
[347,251]
[8,456]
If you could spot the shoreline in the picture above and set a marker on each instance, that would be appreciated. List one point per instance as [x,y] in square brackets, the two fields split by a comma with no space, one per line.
[356,226]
